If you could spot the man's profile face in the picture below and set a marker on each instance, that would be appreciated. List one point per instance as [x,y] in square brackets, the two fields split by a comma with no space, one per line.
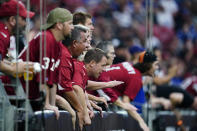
[89,24]
[98,67]
[21,25]
[82,45]
[67,27]
[152,70]
[111,55]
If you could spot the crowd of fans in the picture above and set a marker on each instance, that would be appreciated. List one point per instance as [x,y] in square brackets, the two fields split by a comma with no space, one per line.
[96,51]
[124,22]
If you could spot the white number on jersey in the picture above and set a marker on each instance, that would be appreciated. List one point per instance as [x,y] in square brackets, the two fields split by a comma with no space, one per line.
[47,62]
[128,67]
[112,68]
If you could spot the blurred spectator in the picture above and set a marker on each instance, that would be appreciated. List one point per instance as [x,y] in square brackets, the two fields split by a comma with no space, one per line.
[8,27]
[123,14]
[122,54]
[135,51]
[35,28]
[138,13]
[190,84]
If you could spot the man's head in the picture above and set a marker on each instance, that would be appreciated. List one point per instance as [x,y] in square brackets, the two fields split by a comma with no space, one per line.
[77,42]
[11,7]
[84,19]
[108,48]
[8,14]
[158,53]
[95,61]
[59,19]
[147,64]
[135,51]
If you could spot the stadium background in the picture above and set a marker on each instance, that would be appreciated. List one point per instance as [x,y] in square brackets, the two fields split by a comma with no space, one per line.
[124,23]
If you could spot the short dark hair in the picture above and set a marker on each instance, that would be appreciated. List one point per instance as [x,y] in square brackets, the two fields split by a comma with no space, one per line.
[143,67]
[75,35]
[94,54]
[80,18]
[6,18]
[103,45]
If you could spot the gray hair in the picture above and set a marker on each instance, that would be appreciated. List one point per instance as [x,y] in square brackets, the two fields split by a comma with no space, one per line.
[103,45]
[75,35]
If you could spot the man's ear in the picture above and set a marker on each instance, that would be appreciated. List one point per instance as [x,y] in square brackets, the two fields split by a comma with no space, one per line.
[12,20]
[92,63]
[74,43]
[59,25]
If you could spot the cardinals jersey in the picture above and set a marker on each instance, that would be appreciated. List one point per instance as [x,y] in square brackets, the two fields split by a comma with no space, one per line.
[66,71]
[50,60]
[80,76]
[4,40]
[129,75]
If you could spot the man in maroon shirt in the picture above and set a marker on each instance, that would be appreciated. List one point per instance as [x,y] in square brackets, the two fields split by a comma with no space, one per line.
[8,21]
[58,26]
[130,75]
[80,77]
[132,78]
[72,48]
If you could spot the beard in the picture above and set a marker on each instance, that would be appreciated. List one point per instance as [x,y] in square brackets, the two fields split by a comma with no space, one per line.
[68,36]
[19,29]
[67,40]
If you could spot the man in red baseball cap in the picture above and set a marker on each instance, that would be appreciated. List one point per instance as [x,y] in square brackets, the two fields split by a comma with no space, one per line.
[8,24]
[10,9]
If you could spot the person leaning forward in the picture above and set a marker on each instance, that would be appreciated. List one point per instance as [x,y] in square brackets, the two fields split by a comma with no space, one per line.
[58,26]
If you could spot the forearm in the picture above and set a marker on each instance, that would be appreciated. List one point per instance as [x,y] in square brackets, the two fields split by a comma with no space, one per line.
[88,101]
[74,101]
[137,117]
[52,94]
[162,80]
[126,99]
[61,102]
[47,101]
[119,103]
[81,96]
[93,85]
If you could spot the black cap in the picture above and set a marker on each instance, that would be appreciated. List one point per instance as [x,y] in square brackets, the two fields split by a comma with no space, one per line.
[147,57]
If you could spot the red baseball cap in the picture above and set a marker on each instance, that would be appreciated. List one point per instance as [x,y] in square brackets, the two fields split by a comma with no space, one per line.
[10,9]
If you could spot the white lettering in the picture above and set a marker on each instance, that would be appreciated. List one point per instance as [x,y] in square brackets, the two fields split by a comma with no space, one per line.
[128,67]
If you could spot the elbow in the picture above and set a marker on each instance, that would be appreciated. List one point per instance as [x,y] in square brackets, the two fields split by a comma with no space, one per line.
[77,89]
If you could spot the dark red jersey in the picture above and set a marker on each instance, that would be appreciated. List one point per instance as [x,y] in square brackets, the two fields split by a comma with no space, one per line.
[4,40]
[80,76]
[66,71]
[48,55]
[129,75]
